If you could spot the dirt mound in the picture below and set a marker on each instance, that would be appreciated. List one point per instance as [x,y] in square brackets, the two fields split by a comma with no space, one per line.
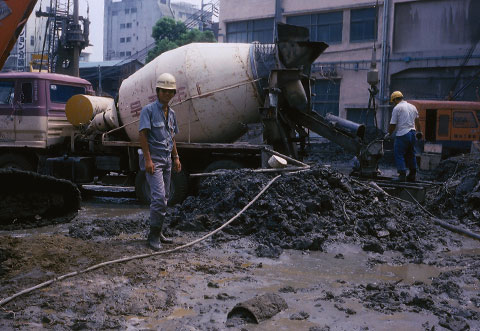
[459,196]
[307,211]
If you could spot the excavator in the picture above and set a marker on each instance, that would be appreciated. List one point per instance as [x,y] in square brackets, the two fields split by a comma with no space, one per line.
[28,197]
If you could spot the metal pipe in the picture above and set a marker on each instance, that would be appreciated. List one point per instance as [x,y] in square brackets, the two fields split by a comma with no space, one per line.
[383,65]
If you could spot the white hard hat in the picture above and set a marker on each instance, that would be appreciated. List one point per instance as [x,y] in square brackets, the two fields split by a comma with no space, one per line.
[166,81]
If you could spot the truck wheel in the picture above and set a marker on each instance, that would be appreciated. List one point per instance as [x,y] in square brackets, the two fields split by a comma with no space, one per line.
[178,188]
[15,161]
[223,164]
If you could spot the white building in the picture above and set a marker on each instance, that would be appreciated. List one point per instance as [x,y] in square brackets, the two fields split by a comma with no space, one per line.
[128,24]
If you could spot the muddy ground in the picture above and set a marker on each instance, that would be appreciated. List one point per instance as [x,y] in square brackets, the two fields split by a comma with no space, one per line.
[342,254]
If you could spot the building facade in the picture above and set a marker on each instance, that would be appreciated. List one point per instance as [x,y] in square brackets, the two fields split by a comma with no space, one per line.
[424,48]
[128,24]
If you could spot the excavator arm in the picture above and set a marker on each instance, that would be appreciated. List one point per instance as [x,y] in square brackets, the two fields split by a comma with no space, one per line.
[13,16]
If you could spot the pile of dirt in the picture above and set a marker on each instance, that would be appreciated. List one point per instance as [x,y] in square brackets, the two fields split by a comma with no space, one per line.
[308,211]
[459,196]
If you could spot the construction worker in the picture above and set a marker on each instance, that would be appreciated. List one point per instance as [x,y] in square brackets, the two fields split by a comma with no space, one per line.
[157,129]
[406,125]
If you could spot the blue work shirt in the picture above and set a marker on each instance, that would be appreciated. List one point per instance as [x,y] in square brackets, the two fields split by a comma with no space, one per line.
[160,131]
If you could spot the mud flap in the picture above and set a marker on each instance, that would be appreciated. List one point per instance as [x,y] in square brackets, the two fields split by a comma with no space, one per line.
[28,197]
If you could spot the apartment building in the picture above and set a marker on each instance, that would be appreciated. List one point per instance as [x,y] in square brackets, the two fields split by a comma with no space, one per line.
[424,48]
[128,24]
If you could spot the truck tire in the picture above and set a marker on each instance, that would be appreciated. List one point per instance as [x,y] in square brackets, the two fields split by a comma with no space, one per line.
[16,161]
[223,164]
[178,188]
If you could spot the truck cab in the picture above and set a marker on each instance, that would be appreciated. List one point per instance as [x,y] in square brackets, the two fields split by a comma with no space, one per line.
[32,115]
[453,124]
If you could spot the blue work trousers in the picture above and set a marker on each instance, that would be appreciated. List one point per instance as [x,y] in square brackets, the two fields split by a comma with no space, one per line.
[159,192]
[404,151]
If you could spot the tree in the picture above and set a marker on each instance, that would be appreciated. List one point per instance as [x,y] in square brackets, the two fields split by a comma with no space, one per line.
[170,34]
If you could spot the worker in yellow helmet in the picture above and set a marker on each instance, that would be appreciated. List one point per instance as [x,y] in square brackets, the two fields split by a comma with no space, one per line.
[406,125]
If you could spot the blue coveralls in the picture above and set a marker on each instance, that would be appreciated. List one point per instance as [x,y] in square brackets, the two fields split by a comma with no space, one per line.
[160,143]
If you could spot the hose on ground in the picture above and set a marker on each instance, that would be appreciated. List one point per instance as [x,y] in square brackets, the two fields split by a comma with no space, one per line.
[141,256]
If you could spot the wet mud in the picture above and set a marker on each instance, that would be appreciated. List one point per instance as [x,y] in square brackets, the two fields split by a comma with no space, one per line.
[330,253]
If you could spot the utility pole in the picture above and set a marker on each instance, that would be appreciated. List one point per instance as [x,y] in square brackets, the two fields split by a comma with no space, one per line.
[201,17]
[100,81]
[76,31]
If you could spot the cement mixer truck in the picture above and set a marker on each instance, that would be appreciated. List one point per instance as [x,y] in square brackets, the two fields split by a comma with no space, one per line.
[221,88]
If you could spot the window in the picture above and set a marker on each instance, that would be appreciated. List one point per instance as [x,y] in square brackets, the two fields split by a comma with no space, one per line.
[325,27]
[61,93]
[129,25]
[7,91]
[114,13]
[133,10]
[127,11]
[122,54]
[122,26]
[32,40]
[249,31]
[129,39]
[163,1]
[363,25]
[27,93]
[443,125]
[327,95]
[122,40]
[129,53]
[464,119]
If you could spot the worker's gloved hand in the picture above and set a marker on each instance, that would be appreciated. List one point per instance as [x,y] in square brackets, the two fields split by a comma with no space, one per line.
[388,136]
[419,135]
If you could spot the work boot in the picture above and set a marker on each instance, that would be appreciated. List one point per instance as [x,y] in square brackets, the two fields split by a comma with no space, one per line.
[412,175]
[165,240]
[402,176]
[154,238]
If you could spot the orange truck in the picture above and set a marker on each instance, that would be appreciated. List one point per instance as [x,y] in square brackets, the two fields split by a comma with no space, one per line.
[453,124]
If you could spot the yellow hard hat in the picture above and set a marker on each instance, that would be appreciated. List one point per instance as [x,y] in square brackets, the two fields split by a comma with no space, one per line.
[395,95]
[166,81]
